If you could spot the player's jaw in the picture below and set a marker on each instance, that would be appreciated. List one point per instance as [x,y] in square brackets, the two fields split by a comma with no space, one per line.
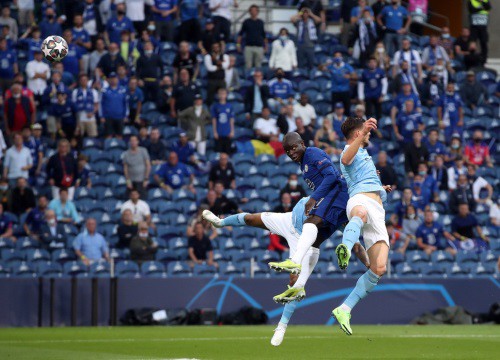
[366,140]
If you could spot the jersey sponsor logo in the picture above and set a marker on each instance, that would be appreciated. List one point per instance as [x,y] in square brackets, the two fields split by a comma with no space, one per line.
[306,168]
[310,184]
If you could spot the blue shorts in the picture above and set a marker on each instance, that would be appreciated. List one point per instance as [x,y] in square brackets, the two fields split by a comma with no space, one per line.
[333,218]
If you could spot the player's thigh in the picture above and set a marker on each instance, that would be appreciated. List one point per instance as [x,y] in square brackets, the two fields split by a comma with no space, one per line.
[356,206]
[255,220]
[282,225]
[378,254]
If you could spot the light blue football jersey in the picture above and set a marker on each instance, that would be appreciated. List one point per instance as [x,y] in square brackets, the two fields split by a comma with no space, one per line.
[298,214]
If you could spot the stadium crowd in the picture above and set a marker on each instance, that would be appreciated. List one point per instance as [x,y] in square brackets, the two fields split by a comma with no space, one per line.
[160,111]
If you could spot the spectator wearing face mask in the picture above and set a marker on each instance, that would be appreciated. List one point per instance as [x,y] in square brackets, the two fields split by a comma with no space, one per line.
[472,91]
[478,183]
[52,233]
[293,188]
[433,52]
[118,23]
[432,91]
[477,152]
[365,37]
[407,122]
[142,246]
[462,194]
[440,173]
[283,53]
[411,222]
[450,112]
[340,73]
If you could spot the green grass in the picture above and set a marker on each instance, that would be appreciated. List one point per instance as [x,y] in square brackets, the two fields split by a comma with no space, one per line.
[246,342]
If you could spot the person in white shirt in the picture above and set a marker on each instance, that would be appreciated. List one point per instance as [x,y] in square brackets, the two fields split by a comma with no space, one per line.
[86,105]
[3,145]
[266,127]
[140,209]
[232,77]
[283,53]
[221,15]
[96,55]
[455,171]
[38,73]
[26,12]
[412,57]
[136,13]
[286,120]
[305,111]
[17,162]
[216,62]
[477,184]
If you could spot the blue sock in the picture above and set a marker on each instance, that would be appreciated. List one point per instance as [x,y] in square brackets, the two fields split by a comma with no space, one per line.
[234,220]
[288,312]
[364,286]
[352,232]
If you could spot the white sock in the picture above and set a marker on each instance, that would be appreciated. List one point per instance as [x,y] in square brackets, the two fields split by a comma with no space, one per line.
[308,264]
[281,325]
[345,308]
[307,238]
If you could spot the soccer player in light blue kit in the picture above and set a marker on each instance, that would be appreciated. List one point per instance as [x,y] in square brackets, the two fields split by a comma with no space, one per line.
[366,214]
[288,225]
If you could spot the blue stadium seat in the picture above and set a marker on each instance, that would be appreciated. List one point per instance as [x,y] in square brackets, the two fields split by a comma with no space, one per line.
[126,269]
[464,257]
[396,257]
[482,269]
[100,269]
[325,257]
[328,245]
[417,256]
[114,143]
[82,193]
[356,268]
[119,254]
[457,270]
[239,256]
[330,270]
[4,269]
[23,269]
[91,143]
[25,243]
[37,255]
[404,269]
[489,257]
[486,78]
[49,269]
[182,194]
[441,256]
[9,255]
[6,244]
[259,270]
[74,268]
[152,267]
[63,255]
[430,269]
[266,256]
[179,268]
[177,243]
[231,269]
[169,232]
[230,244]
[205,270]
[255,244]
[241,158]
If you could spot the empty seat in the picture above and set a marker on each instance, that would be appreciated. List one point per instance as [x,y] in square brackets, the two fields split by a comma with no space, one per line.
[75,268]
[126,269]
[100,269]
[405,269]
[152,267]
[205,270]
[179,268]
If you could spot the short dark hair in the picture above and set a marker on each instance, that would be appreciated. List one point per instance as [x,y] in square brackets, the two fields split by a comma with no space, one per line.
[253,6]
[350,124]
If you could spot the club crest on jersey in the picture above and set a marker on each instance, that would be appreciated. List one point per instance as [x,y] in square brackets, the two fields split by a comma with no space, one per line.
[306,168]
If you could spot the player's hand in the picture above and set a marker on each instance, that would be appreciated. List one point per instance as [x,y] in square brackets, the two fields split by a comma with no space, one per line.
[369,125]
[387,188]
[309,205]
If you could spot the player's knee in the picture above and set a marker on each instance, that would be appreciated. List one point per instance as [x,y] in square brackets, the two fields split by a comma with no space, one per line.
[251,219]
[379,269]
[360,212]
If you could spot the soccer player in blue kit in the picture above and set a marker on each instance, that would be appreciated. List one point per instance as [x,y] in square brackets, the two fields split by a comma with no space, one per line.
[366,214]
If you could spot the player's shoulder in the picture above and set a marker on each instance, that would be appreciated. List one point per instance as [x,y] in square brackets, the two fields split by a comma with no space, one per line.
[315,153]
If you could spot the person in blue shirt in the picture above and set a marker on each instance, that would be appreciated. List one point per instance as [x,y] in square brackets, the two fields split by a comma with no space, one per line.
[114,106]
[372,88]
[64,112]
[190,28]
[81,37]
[465,228]
[422,195]
[174,175]
[428,181]
[90,246]
[8,64]
[164,13]
[450,112]
[398,104]
[280,91]
[325,209]
[337,117]
[33,42]
[5,224]
[431,236]
[46,4]
[184,149]
[117,24]
[340,73]
[37,149]
[407,122]
[64,208]
[50,25]
[392,20]
[223,123]
[36,218]
[434,146]
[73,60]
[357,11]
[135,99]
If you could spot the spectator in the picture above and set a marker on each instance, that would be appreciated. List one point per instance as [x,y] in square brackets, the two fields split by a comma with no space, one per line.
[19,110]
[408,121]
[64,208]
[95,56]
[110,61]
[135,100]
[50,25]
[139,208]
[430,236]
[17,161]
[36,147]
[136,166]
[185,59]
[142,246]
[283,53]
[345,14]
[223,172]
[36,219]
[25,12]
[215,63]
[463,226]
[391,20]
[305,111]
[210,231]
[62,170]
[218,202]
[231,75]
[293,188]
[383,60]
[52,233]
[473,59]
[5,225]
[462,44]
[83,172]
[326,139]
[357,12]
[63,112]
[185,150]
[479,15]
[8,64]
[190,28]
[164,16]
[164,95]
[265,127]
[455,150]
[86,104]
[440,173]
[173,175]
[446,42]
[183,94]
[34,42]
[428,181]
[286,204]
[255,38]
[209,37]
[126,230]
[116,24]
[411,222]
[495,216]
[304,132]
[365,37]
[378,6]
[90,246]
[148,72]
[340,74]
[433,52]
[450,112]
[136,12]
[433,90]
[398,239]
[221,15]
[415,153]
[193,121]
[257,96]
[307,36]
[286,120]
[156,148]
[114,107]
[22,198]
[123,78]
[38,72]
[462,194]
[472,92]
[92,21]
[403,77]
[372,88]
[407,199]
[479,183]
[73,60]
[399,102]
[478,153]
[414,62]
[222,122]
[200,248]
[386,172]
[337,117]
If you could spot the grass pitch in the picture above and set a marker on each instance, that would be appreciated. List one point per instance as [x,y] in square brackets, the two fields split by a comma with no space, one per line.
[247,342]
